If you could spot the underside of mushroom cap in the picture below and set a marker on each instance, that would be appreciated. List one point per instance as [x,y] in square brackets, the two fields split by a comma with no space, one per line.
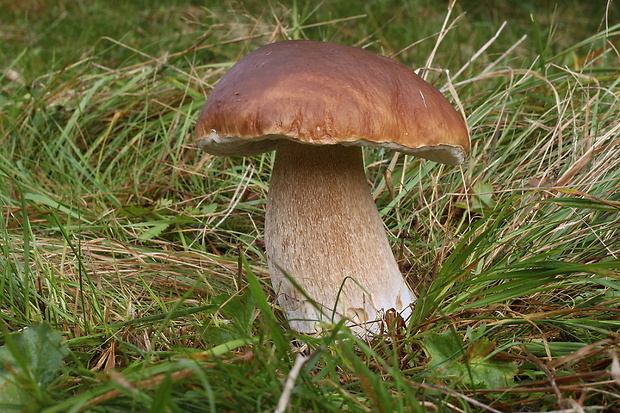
[237,146]
[323,94]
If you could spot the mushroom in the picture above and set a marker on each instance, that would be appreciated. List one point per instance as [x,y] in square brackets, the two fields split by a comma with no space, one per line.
[317,104]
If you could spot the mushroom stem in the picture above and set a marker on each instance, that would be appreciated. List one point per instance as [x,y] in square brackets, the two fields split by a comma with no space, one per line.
[322,229]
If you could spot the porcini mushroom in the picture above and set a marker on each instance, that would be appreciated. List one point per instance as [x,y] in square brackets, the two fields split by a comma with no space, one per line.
[317,104]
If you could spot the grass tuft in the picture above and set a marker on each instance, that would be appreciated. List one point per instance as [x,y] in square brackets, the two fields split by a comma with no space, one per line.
[140,259]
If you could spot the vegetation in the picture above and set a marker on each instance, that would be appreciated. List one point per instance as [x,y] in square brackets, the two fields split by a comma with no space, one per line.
[132,269]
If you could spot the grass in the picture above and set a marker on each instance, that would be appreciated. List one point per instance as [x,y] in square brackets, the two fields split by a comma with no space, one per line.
[132,268]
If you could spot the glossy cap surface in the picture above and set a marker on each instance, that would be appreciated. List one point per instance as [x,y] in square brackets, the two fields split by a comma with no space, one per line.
[325,93]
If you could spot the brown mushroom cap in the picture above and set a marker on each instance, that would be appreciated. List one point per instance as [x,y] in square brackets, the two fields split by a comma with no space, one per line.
[325,93]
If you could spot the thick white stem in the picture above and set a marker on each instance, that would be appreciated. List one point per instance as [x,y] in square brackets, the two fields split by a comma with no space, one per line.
[323,229]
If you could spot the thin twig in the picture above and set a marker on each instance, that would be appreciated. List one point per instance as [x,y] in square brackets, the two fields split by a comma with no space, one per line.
[480,51]
[290,383]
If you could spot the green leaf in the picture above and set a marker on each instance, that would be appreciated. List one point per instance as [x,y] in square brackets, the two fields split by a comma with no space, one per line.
[29,362]
[234,319]
[481,199]
[483,196]
[476,367]
[154,230]
[488,370]
[13,396]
